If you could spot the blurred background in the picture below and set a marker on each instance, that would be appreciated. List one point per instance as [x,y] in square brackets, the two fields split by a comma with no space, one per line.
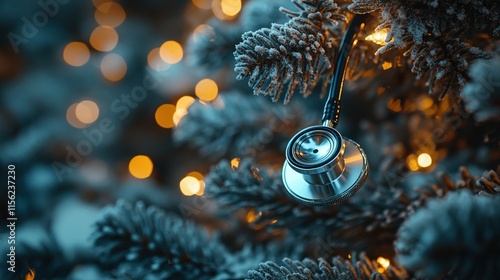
[90,92]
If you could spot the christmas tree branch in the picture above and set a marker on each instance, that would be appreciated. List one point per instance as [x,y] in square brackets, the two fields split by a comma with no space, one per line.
[298,53]
[370,219]
[357,267]
[454,237]
[236,125]
[136,241]
[438,33]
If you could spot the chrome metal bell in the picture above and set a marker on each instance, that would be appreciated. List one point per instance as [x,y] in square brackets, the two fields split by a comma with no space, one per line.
[323,168]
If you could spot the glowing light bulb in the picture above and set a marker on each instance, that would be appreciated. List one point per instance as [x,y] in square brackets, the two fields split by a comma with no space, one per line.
[113,67]
[164,115]
[103,38]
[231,7]
[184,102]
[200,178]
[76,54]
[378,37]
[171,52]
[235,162]
[110,14]
[189,185]
[383,264]
[87,111]
[424,160]
[140,166]
[411,161]
[206,90]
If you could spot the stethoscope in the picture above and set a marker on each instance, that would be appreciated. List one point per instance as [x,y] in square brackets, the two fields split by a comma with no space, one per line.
[322,167]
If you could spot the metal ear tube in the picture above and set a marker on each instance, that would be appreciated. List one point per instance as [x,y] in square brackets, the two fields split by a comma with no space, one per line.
[322,167]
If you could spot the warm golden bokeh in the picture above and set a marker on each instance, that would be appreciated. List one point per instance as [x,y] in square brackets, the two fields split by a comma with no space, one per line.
[103,38]
[184,102]
[411,162]
[424,160]
[231,7]
[206,90]
[171,52]
[110,14]
[378,37]
[140,166]
[113,67]
[87,111]
[76,54]
[383,264]
[235,162]
[164,115]
[189,185]
[155,61]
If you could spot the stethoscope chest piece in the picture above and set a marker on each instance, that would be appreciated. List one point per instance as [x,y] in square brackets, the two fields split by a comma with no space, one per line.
[323,168]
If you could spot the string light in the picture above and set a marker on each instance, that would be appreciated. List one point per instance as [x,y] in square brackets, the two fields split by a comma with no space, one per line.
[87,111]
[231,7]
[164,115]
[104,38]
[113,67]
[378,37]
[386,65]
[155,61]
[171,52]
[140,167]
[76,54]
[110,14]
[184,102]
[252,216]
[200,178]
[189,185]
[412,163]
[424,160]
[206,90]
[235,162]
[383,264]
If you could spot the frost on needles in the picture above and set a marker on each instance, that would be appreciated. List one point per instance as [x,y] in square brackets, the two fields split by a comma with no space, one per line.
[295,54]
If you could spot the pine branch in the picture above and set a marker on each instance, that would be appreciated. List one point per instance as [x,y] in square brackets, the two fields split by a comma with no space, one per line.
[138,241]
[448,58]
[456,237]
[298,53]
[369,219]
[212,46]
[437,32]
[482,94]
[358,267]
[237,125]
